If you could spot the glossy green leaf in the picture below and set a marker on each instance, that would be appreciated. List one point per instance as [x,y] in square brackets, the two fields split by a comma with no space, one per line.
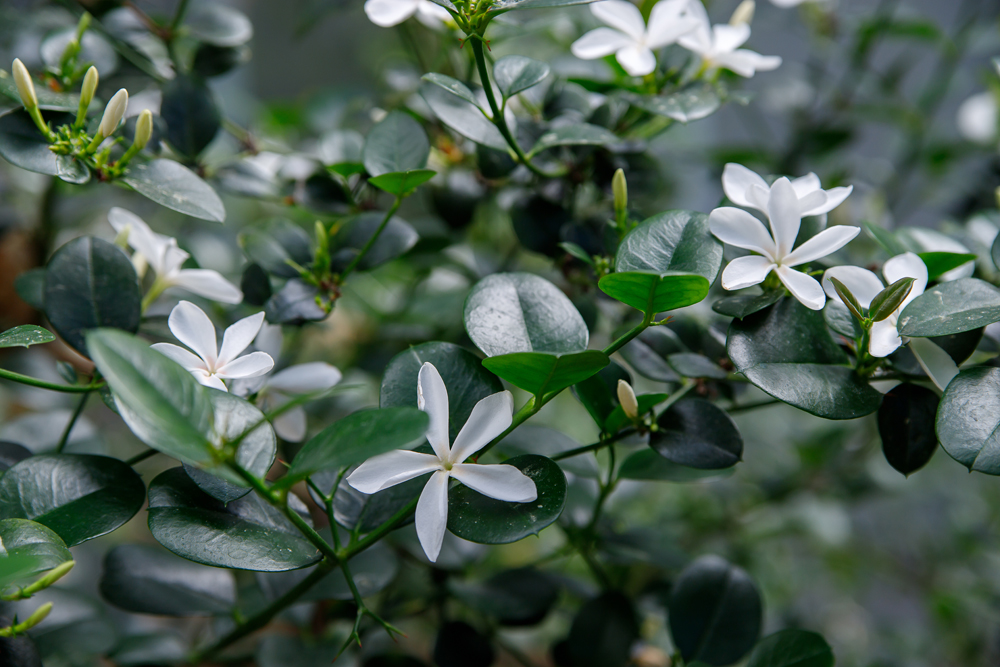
[466,380]
[888,300]
[12,453]
[173,185]
[515,74]
[28,549]
[190,113]
[691,365]
[655,293]
[540,372]
[396,239]
[646,464]
[787,351]
[402,183]
[694,432]
[792,648]
[90,283]
[452,85]
[246,534]
[357,438]
[582,134]
[462,116]
[968,419]
[671,241]
[478,518]
[23,146]
[939,263]
[840,319]
[906,426]
[599,393]
[741,306]
[647,353]
[25,335]
[952,307]
[218,25]
[520,312]
[715,612]
[693,102]
[521,597]
[79,496]
[295,303]
[603,632]
[148,580]
[398,143]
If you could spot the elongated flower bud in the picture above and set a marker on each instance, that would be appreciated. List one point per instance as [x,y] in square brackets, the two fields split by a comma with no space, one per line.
[620,189]
[626,396]
[25,86]
[113,113]
[89,87]
[143,129]
[744,13]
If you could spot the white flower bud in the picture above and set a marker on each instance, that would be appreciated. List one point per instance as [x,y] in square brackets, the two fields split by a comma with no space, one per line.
[626,396]
[743,13]
[143,129]
[620,190]
[25,86]
[89,87]
[113,113]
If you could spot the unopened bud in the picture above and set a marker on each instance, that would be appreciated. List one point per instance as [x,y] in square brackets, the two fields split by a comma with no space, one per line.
[25,86]
[626,396]
[620,189]
[37,617]
[743,13]
[89,87]
[113,113]
[143,129]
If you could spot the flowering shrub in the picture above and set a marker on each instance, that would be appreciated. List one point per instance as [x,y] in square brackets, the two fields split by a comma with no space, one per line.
[429,298]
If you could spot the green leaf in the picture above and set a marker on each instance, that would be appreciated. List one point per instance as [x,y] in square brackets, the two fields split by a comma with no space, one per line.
[521,597]
[295,303]
[452,85]
[671,241]
[173,185]
[28,549]
[353,509]
[148,580]
[599,392]
[277,650]
[693,102]
[995,252]
[792,648]
[949,308]
[372,571]
[691,365]
[788,352]
[885,239]
[25,335]
[939,263]
[840,319]
[578,252]
[888,300]
[647,353]
[402,183]
[23,146]
[158,648]
[582,134]
[396,239]
[741,306]
[545,441]
[968,419]
[79,496]
[464,377]
[478,518]
[515,74]
[77,633]
[603,632]
[357,438]
[218,25]
[90,283]
[646,464]
[851,302]
[906,426]
[273,246]
[398,143]
[190,113]
[655,293]
[246,534]
[541,373]
[48,100]
[693,432]
[30,286]
[160,401]
[520,312]
[715,612]
[462,116]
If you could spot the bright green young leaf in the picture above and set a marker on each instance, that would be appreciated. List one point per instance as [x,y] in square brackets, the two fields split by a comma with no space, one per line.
[398,143]
[671,241]
[949,308]
[25,335]
[939,263]
[402,183]
[515,74]
[22,145]
[173,185]
[462,116]
[541,372]
[655,293]
[694,432]
[583,134]
[792,648]
[78,496]
[452,85]
[478,518]
[968,419]
[28,549]
[888,300]
[646,464]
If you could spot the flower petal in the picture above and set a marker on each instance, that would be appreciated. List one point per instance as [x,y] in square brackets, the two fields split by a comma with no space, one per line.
[699,39]
[884,338]
[834,198]
[728,38]
[432,15]
[490,417]
[141,238]
[392,468]
[826,242]
[305,378]
[210,380]
[907,265]
[864,284]
[636,60]
[621,15]
[209,284]
[667,22]
[239,336]
[387,13]
[599,43]
[291,425]
[248,366]
[270,339]
[189,361]
[739,228]
[804,185]
[432,398]
[940,367]
[977,118]
[191,326]
[737,181]
[804,288]
[503,482]
[746,271]
[784,213]
[432,514]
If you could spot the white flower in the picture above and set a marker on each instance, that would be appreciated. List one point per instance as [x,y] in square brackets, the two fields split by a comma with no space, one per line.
[490,417]
[787,4]
[719,45]
[629,38]
[977,118]
[387,13]
[746,188]
[211,366]
[166,259]
[784,210]
[288,383]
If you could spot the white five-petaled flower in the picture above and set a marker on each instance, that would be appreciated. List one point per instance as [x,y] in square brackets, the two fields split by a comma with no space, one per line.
[784,210]
[978,118]
[629,38]
[387,13]
[746,188]
[280,388]
[490,417]
[719,45]
[211,365]
[162,254]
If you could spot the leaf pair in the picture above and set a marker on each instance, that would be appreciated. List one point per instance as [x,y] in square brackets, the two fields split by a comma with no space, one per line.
[882,306]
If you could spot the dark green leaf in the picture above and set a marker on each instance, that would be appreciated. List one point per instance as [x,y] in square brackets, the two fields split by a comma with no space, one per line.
[995,252]
[646,464]
[396,239]
[149,580]
[78,496]
[402,183]
[968,419]
[851,302]
[30,286]
[840,319]
[694,432]
[398,143]
[277,244]
[458,644]
[952,307]
[792,648]
[23,146]
[255,285]
[19,651]
[599,393]
[25,335]
[671,241]
[173,185]
[578,252]
[192,117]
[574,135]
[78,632]
[515,74]
[939,263]
[161,648]
[521,597]
[452,85]
[603,632]
[655,293]
[477,518]
[540,372]
[741,306]
[367,512]
[291,651]
[520,312]
[693,102]
[888,300]
[959,346]
[218,25]
[648,352]
[715,612]
[210,60]
[906,425]
[28,549]
[12,453]
[691,365]
[462,116]
[295,303]
[246,534]
[90,283]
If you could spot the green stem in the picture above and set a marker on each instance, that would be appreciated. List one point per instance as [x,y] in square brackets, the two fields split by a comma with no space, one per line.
[629,335]
[593,447]
[371,241]
[752,406]
[179,15]
[42,384]
[141,457]
[72,422]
